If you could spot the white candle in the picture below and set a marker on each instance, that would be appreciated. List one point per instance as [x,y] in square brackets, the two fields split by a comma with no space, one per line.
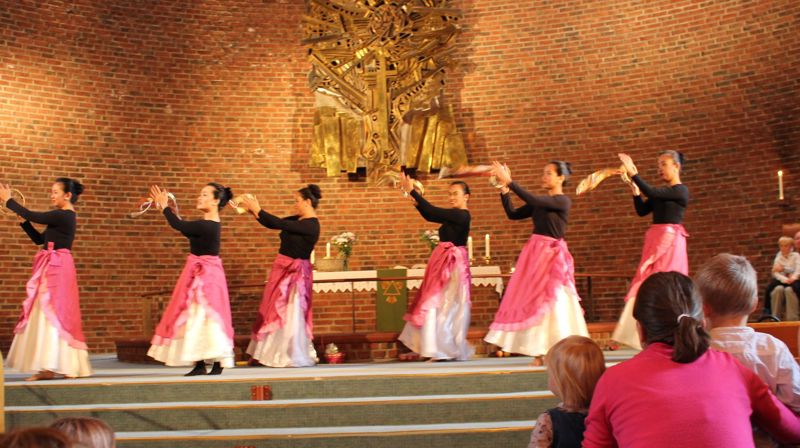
[469,247]
[487,246]
[328,250]
[312,257]
[780,185]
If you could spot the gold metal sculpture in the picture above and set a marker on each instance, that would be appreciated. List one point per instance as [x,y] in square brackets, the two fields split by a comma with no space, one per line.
[378,71]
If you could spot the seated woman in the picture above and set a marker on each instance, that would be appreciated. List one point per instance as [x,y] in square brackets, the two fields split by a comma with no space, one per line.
[677,392]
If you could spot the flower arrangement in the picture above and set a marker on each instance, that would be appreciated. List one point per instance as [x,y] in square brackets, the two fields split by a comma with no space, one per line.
[344,243]
[431,237]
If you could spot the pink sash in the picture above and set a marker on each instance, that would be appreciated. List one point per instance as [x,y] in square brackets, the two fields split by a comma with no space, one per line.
[203,273]
[444,260]
[287,274]
[543,266]
[60,304]
[664,251]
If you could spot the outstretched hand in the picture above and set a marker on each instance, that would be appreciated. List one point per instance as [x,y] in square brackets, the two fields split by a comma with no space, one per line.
[250,203]
[160,197]
[5,193]
[406,183]
[627,162]
[501,173]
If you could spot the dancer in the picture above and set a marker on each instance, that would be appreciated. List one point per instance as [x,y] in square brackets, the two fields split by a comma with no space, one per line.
[437,325]
[282,334]
[196,326]
[540,306]
[665,241]
[48,338]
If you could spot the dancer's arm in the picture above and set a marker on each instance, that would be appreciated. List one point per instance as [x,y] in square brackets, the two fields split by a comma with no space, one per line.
[52,217]
[298,226]
[678,193]
[188,228]
[526,211]
[437,214]
[557,203]
[33,234]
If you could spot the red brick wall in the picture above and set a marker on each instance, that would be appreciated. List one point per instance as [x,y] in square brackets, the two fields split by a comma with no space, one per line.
[123,94]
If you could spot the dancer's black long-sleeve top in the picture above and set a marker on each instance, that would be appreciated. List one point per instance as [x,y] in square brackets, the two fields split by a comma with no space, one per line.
[455,221]
[204,235]
[549,213]
[298,236]
[666,203]
[61,225]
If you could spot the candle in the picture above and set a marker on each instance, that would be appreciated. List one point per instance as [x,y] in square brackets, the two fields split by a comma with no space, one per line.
[328,250]
[312,257]
[469,247]
[487,246]
[780,185]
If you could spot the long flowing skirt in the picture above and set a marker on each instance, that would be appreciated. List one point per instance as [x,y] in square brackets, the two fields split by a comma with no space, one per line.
[39,345]
[664,251]
[283,332]
[541,304]
[444,310]
[196,325]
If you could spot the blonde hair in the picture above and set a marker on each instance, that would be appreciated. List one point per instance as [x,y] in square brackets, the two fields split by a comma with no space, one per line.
[89,432]
[785,241]
[574,364]
[727,285]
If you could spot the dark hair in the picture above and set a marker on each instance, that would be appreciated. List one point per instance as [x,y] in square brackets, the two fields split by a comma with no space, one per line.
[35,438]
[223,193]
[562,169]
[70,186]
[676,156]
[312,193]
[464,186]
[669,311]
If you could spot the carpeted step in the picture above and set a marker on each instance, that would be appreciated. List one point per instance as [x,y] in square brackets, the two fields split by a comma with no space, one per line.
[364,411]
[462,435]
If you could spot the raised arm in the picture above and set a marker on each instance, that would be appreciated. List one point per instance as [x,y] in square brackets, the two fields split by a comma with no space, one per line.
[643,207]
[33,234]
[298,226]
[52,217]
[526,211]
[188,228]
[559,203]
[680,194]
[437,214]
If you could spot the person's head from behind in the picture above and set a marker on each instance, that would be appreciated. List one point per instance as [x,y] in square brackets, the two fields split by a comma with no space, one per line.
[668,311]
[785,243]
[574,364]
[728,287]
[36,438]
[89,432]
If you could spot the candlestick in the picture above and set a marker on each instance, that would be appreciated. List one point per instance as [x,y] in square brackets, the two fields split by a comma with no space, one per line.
[780,185]
[487,254]
[469,247]
[328,250]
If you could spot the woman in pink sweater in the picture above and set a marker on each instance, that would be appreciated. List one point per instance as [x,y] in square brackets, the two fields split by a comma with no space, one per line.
[677,392]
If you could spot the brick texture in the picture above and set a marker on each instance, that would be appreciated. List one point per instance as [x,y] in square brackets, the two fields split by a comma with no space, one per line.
[123,94]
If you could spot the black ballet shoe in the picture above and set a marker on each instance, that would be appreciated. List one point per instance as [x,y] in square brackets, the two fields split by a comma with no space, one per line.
[199,369]
[216,369]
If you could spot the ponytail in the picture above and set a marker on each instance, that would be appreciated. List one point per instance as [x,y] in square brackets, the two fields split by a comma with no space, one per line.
[669,312]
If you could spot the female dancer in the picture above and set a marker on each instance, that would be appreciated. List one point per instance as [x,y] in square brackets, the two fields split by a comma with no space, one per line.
[196,326]
[540,306]
[437,325]
[665,241]
[48,337]
[282,334]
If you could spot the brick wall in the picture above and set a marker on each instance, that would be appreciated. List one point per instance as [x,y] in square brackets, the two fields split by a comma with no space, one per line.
[124,94]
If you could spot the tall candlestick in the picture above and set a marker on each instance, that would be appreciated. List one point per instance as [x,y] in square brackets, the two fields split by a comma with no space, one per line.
[488,252]
[312,257]
[780,185]
[469,247]
[328,250]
